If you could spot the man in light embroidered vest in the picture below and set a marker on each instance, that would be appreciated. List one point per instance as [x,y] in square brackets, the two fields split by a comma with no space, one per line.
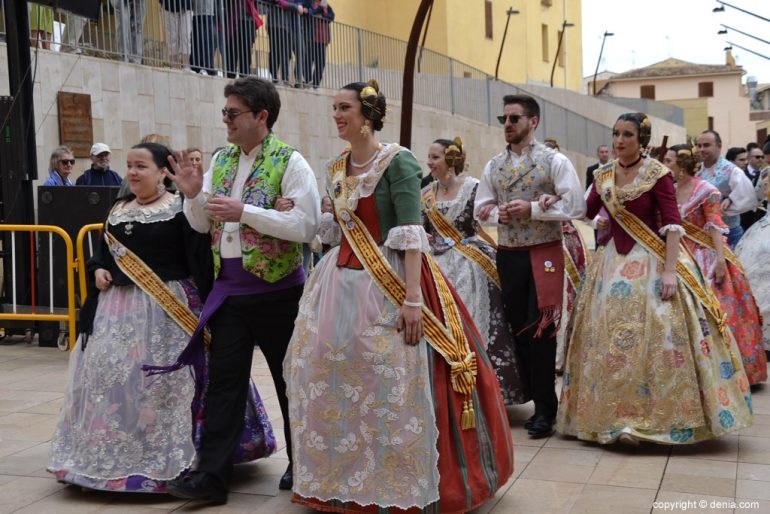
[528,189]
[258,269]
[737,190]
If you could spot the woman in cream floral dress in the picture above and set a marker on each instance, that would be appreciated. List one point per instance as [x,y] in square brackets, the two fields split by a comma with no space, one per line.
[379,423]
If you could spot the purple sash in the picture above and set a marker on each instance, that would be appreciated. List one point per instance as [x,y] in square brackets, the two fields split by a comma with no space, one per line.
[233,280]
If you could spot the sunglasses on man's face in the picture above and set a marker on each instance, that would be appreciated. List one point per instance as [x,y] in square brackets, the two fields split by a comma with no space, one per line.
[513,117]
[70,162]
[231,114]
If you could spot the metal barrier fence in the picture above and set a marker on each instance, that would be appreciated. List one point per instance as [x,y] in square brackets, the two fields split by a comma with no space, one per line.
[75,261]
[32,312]
[293,43]
[86,233]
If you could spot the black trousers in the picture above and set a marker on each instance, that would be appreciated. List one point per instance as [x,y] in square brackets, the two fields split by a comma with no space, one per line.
[317,53]
[267,320]
[239,41]
[280,52]
[204,42]
[536,356]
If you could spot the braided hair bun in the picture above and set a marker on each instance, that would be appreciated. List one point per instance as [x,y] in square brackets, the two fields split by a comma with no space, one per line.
[373,104]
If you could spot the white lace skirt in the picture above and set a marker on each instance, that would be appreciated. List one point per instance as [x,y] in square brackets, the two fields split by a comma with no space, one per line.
[363,422]
[119,429]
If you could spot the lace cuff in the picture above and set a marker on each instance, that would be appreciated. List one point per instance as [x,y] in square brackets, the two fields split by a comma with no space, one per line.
[675,228]
[329,232]
[408,237]
[722,230]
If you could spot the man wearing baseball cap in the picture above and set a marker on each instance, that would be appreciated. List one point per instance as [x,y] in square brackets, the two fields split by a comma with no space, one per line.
[99,174]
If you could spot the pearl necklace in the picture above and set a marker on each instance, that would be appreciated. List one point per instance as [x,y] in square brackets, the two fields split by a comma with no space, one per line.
[363,164]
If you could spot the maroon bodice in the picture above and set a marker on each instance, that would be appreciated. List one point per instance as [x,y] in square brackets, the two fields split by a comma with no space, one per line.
[367,212]
[656,208]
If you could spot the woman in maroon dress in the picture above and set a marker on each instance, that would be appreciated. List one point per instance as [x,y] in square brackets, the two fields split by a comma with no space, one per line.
[650,357]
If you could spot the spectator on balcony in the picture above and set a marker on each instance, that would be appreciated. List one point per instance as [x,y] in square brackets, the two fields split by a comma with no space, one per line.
[129,28]
[281,19]
[62,162]
[204,36]
[240,26]
[40,25]
[72,34]
[99,174]
[321,16]
[177,22]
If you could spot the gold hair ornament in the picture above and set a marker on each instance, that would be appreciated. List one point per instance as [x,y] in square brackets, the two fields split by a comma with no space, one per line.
[369,95]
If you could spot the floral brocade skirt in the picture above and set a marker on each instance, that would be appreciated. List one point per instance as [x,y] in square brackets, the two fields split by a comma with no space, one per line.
[375,422]
[740,307]
[656,370]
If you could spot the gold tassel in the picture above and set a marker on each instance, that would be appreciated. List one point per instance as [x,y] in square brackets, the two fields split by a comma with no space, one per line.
[468,419]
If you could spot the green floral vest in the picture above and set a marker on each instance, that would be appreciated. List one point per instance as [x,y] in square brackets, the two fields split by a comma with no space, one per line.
[267,257]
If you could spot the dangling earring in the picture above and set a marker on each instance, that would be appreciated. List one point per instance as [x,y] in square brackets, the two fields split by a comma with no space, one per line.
[365,130]
[161,187]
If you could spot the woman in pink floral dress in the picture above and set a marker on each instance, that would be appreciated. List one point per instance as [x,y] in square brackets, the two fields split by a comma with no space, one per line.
[699,204]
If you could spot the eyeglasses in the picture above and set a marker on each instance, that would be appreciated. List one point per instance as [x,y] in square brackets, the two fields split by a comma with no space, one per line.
[231,114]
[102,155]
[70,162]
[513,117]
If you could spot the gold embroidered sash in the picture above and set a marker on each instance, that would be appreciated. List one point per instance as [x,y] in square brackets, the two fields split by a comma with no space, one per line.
[570,266]
[455,240]
[449,341]
[703,238]
[571,269]
[645,236]
[136,269]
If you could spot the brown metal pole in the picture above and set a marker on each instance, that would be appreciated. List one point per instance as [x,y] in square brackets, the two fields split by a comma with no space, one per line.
[424,37]
[407,96]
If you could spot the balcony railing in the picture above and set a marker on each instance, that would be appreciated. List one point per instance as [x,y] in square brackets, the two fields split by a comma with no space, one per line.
[293,48]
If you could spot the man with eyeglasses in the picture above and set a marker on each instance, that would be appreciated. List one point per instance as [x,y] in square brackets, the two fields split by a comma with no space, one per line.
[60,166]
[528,190]
[258,270]
[99,174]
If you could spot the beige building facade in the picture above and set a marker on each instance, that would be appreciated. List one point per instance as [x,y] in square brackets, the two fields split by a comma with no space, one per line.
[471,31]
[711,96]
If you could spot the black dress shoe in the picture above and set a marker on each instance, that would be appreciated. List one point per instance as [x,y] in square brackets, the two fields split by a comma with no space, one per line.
[198,485]
[287,480]
[528,423]
[541,427]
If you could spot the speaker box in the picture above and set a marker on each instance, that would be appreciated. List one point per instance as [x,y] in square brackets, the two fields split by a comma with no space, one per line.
[87,8]
[69,208]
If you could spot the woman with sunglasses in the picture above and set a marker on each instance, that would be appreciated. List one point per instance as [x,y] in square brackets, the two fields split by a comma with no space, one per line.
[381,422]
[650,357]
[62,162]
[699,205]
